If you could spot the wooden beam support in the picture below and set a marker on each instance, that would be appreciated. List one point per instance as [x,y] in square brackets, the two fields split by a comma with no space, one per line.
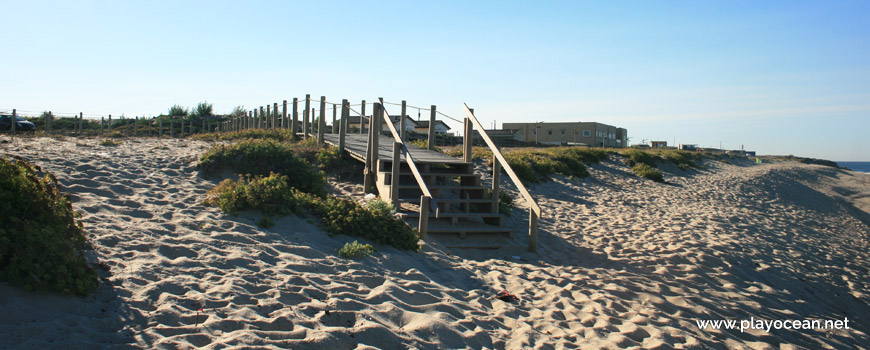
[431,142]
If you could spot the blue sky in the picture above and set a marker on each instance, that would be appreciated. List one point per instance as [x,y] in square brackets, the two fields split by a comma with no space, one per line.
[779,77]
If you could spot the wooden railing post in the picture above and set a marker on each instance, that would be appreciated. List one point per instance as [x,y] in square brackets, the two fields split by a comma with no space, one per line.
[466,140]
[261,121]
[48,119]
[362,116]
[394,176]
[423,227]
[13,121]
[295,112]
[402,122]
[305,115]
[431,142]
[533,231]
[334,113]
[376,137]
[109,126]
[342,131]
[367,171]
[321,125]
[81,122]
[275,115]
[496,183]
[284,115]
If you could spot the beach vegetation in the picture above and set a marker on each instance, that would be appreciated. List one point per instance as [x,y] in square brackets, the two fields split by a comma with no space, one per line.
[536,164]
[247,134]
[343,216]
[635,156]
[178,111]
[263,157]
[110,142]
[355,250]
[646,171]
[41,241]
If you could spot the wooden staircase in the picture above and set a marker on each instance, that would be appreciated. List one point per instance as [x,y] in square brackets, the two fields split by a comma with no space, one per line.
[466,206]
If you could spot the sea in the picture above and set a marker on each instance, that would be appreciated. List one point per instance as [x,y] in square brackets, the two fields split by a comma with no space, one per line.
[863,167]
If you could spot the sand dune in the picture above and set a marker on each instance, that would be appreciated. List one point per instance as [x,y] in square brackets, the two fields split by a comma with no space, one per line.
[622,263]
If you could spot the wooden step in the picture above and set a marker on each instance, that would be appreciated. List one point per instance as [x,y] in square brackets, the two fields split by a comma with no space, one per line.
[453,214]
[444,187]
[448,200]
[445,227]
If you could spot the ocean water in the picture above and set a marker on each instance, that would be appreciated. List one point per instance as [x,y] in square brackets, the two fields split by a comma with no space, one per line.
[863,167]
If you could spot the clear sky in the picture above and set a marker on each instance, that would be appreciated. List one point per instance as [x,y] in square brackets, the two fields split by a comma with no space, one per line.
[779,77]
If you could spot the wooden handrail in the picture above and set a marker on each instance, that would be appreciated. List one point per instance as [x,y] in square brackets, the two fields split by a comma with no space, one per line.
[410,160]
[507,168]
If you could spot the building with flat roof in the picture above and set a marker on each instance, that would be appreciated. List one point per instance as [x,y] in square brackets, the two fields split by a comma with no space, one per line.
[571,133]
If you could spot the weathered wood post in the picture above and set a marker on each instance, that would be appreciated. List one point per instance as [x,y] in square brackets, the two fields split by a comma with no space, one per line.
[371,152]
[423,227]
[284,115]
[13,121]
[126,127]
[533,231]
[345,111]
[305,115]
[467,139]
[48,119]
[295,112]
[255,121]
[102,121]
[334,126]
[430,144]
[496,183]
[321,124]
[109,126]
[81,123]
[402,122]
[394,175]
[261,123]
[362,117]
[274,115]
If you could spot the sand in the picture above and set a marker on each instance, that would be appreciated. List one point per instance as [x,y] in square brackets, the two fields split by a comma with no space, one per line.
[623,263]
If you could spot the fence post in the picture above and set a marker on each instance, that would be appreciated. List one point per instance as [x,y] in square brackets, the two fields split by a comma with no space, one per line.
[402,122]
[533,231]
[362,116]
[394,176]
[295,117]
[343,129]
[467,140]
[81,122]
[48,123]
[182,128]
[321,125]
[496,182]
[334,126]
[423,227]
[305,115]
[275,115]
[430,144]
[109,126]
[284,115]
[13,121]
[102,121]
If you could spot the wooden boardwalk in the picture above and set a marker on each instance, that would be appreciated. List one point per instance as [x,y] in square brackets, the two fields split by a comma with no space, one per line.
[355,144]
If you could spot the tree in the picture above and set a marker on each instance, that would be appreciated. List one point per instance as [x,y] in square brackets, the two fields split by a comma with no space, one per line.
[178,111]
[239,111]
[203,109]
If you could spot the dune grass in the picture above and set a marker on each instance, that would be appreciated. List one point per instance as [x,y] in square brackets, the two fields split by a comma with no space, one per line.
[536,164]
[40,238]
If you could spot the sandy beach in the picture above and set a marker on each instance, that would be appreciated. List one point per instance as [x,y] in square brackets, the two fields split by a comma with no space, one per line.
[623,262]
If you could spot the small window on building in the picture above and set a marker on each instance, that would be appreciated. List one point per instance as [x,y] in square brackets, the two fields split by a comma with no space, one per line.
[549,132]
[535,132]
[563,132]
[587,133]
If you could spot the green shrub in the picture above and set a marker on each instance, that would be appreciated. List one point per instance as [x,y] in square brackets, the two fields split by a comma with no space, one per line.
[533,165]
[682,159]
[263,157]
[328,158]
[355,250]
[272,195]
[643,170]
[342,216]
[40,240]
[636,156]
[249,134]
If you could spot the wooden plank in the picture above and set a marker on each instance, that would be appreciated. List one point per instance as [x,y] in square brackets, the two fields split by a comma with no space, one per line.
[342,131]
[496,183]
[394,176]
[321,124]
[305,115]
[533,231]
[504,163]
[295,112]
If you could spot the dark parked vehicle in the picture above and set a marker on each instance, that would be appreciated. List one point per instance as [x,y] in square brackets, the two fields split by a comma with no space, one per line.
[21,124]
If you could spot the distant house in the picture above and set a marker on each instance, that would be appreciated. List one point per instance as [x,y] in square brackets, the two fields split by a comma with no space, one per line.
[658,144]
[410,124]
[501,137]
[574,133]
[353,122]
[688,147]
[422,127]
[750,153]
